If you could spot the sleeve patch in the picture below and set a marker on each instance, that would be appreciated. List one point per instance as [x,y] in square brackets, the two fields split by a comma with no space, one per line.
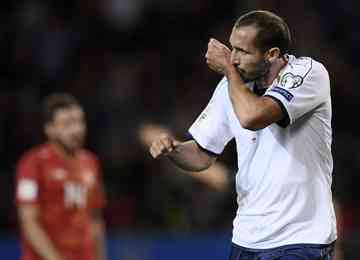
[290,80]
[286,94]
[27,190]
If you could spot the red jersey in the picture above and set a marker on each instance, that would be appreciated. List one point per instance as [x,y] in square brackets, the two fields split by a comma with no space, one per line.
[66,191]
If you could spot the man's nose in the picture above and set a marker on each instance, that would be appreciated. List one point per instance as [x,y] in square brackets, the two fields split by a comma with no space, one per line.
[77,128]
[234,59]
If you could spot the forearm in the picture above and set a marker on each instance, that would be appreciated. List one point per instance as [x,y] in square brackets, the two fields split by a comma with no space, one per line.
[248,107]
[99,237]
[39,240]
[188,156]
[215,178]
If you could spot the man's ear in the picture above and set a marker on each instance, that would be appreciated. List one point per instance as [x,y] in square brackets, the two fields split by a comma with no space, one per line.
[273,54]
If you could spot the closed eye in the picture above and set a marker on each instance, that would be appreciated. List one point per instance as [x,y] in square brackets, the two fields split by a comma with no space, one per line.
[241,50]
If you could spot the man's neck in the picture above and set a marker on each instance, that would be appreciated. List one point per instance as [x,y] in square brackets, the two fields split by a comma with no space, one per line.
[62,151]
[273,73]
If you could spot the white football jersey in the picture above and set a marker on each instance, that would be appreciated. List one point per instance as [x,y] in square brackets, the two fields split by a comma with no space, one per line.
[284,173]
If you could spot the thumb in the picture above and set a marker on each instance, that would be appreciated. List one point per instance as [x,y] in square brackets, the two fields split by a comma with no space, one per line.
[175,143]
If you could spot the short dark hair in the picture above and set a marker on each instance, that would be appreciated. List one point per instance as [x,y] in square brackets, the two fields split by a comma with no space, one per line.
[272,30]
[55,102]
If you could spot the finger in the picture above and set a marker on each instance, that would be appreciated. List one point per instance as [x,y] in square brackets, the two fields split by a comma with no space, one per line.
[218,43]
[212,44]
[153,152]
[212,52]
[175,143]
[156,150]
[213,41]
[226,48]
[166,145]
[160,148]
[216,69]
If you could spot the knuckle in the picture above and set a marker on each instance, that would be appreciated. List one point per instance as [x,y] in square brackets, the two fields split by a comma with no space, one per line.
[163,135]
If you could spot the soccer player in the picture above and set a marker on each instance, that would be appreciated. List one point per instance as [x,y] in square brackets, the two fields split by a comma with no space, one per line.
[59,194]
[278,109]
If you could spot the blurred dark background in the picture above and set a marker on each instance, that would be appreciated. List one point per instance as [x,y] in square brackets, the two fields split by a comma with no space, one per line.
[135,62]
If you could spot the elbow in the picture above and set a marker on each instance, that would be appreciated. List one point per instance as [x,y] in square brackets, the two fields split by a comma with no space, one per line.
[261,115]
[204,164]
[200,167]
[203,167]
[251,123]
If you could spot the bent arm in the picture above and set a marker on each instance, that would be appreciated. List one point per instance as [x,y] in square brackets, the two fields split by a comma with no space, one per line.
[35,234]
[253,112]
[215,178]
[190,157]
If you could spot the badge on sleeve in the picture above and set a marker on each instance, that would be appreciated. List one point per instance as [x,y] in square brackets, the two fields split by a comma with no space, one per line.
[286,94]
[27,190]
[290,81]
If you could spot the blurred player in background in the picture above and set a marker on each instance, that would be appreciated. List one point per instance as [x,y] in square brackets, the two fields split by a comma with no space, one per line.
[59,193]
[278,109]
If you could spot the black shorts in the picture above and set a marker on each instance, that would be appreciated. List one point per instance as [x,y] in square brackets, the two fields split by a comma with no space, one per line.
[288,252]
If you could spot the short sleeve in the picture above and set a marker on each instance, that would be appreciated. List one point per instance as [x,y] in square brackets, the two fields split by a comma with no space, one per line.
[211,130]
[27,180]
[301,88]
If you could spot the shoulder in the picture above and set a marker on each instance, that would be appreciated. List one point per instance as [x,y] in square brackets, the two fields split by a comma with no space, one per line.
[302,69]
[35,154]
[29,163]
[221,91]
[222,83]
[221,87]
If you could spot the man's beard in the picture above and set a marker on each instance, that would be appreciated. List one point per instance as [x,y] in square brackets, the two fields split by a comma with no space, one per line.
[69,148]
[261,70]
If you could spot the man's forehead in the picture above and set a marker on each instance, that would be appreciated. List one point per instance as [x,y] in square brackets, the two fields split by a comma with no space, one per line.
[68,111]
[243,34]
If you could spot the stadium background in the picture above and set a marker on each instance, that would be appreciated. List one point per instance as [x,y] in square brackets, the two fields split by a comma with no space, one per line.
[134,62]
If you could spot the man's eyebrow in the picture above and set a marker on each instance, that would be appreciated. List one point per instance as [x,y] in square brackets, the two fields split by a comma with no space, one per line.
[241,49]
[238,48]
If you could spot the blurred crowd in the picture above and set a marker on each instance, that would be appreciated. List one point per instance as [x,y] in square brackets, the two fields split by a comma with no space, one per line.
[138,68]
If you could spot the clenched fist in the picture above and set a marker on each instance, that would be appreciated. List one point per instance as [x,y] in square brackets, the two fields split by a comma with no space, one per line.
[218,56]
[163,145]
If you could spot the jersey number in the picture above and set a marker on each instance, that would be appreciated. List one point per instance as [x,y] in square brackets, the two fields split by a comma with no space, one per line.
[75,195]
